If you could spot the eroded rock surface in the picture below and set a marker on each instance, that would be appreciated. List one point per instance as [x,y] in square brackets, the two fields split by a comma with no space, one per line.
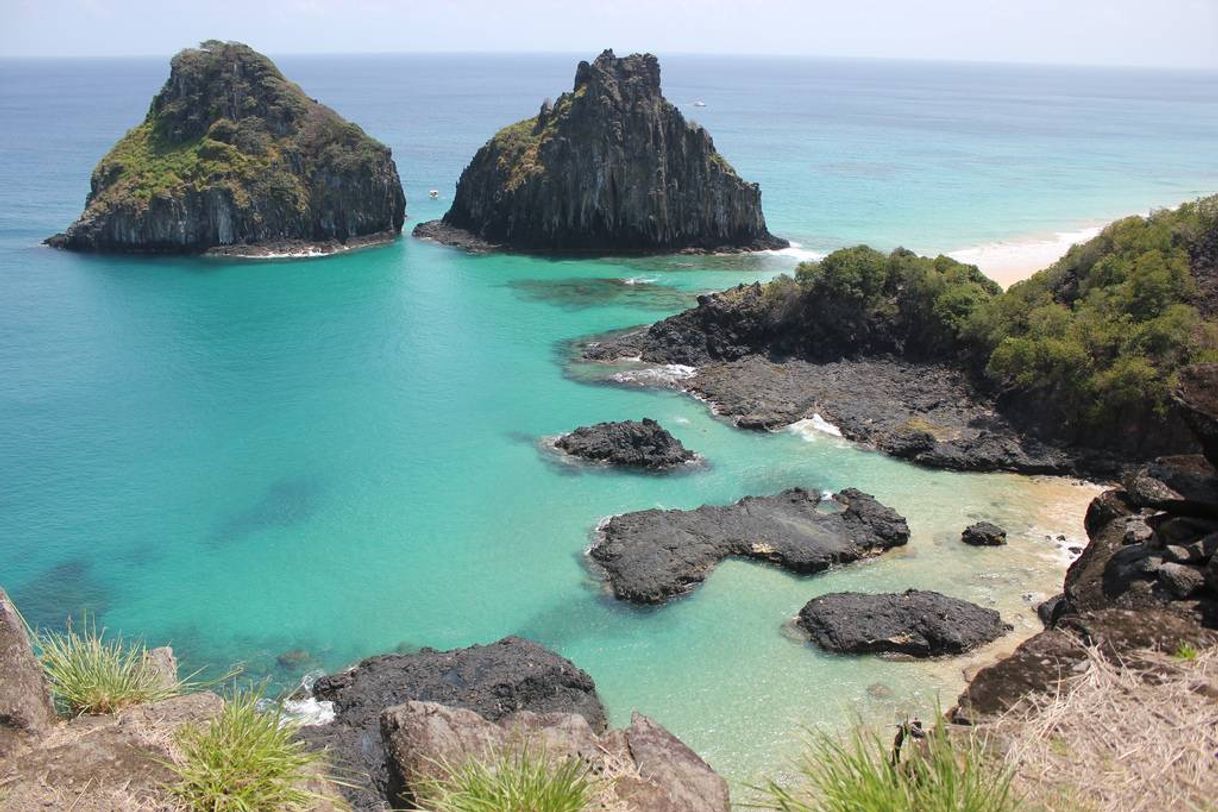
[26,711]
[629,443]
[493,681]
[642,767]
[654,555]
[915,622]
[610,167]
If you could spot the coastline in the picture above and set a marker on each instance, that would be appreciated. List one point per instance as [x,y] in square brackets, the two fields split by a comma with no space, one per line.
[1011,261]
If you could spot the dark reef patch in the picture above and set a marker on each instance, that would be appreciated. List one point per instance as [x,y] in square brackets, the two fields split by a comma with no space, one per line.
[287,502]
[581,293]
[67,592]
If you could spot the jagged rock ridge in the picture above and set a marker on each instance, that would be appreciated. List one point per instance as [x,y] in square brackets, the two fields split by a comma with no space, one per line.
[234,157]
[611,166]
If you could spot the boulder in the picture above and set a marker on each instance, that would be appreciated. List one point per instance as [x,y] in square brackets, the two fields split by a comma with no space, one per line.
[1185,484]
[984,534]
[1197,397]
[654,555]
[629,443]
[643,767]
[610,167]
[493,681]
[234,158]
[1181,581]
[915,622]
[26,711]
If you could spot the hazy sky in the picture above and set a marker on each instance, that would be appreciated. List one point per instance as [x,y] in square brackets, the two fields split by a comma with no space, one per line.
[1176,33]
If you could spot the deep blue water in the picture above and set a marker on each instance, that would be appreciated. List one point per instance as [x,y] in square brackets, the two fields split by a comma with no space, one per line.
[340,455]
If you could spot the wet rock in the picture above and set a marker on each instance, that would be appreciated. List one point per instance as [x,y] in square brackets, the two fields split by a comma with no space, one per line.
[629,443]
[1181,580]
[1105,509]
[493,681]
[643,767]
[610,167]
[984,534]
[1051,610]
[654,555]
[293,658]
[26,711]
[915,622]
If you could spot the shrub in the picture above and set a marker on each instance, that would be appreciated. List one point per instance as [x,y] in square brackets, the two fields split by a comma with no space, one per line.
[518,780]
[858,775]
[90,674]
[244,760]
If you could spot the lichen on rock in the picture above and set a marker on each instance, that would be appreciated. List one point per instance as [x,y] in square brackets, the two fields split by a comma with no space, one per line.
[232,156]
[611,166]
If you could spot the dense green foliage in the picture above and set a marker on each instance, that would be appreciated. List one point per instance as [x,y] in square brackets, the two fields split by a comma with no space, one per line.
[244,760]
[860,300]
[520,780]
[940,774]
[1093,343]
[517,146]
[1102,332]
[90,674]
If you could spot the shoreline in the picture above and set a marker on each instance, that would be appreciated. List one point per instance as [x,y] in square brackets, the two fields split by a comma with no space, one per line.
[1014,260]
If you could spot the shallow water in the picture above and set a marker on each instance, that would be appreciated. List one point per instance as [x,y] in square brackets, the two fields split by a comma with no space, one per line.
[341,455]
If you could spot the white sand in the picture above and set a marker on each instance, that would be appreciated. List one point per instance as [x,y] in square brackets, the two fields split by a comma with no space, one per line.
[1009,261]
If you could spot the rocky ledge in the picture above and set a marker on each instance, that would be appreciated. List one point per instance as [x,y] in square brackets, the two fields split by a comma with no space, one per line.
[494,681]
[611,167]
[233,158]
[915,622]
[642,767]
[629,443]
[1147,580]
[654,555]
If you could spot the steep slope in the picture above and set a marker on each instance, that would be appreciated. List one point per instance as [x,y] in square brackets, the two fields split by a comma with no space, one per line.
[234,157]
[611,166]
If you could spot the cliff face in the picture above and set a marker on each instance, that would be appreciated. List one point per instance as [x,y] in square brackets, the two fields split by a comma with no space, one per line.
[232,155]
[612,166]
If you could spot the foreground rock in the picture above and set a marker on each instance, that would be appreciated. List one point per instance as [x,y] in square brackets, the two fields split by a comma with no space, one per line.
[26,711]
[914,622]
[234,158]
[642,768]
[984,534]
[493,681]
[610,167]
[1145,581]
[630,443]
[654,555]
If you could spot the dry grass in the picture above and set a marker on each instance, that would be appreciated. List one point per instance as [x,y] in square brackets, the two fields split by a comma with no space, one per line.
[1140,736]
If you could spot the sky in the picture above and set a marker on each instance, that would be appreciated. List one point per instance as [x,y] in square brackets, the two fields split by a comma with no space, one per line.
[1162,33]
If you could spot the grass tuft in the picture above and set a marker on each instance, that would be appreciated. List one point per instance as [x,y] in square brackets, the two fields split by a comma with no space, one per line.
[518,780]
[939,774]
[244,760]
[90,674]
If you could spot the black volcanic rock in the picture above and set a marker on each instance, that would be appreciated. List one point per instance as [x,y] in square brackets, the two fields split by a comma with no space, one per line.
[234,158]
[1197,396]
[915,622]
[630,443]
[654,555]
[984,534]
[610,167]
[494,681]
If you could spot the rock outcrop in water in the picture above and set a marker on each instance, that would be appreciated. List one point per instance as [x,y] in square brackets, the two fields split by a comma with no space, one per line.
[915,622]
[494,681]
[629,443]
[610,167]
[234,158]
[984,534]
[654,555]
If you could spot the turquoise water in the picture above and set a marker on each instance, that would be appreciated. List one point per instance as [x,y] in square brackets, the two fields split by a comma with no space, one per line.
[341,455]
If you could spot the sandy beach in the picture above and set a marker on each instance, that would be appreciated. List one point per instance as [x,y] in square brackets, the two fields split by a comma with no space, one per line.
[1009,261]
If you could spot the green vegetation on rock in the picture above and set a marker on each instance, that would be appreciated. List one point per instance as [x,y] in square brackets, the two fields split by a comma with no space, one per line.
[519,780]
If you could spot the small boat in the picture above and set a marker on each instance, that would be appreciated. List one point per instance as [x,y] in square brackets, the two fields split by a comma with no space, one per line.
[699,103]
[433,193]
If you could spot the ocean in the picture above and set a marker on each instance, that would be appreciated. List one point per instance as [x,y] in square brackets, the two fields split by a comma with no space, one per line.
[340,457]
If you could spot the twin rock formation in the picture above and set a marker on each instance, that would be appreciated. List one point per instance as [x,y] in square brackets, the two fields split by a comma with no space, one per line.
[233,158]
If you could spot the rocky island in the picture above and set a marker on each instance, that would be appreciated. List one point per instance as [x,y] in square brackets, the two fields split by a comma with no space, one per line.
[628,443]
[233,158]
[611,167]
